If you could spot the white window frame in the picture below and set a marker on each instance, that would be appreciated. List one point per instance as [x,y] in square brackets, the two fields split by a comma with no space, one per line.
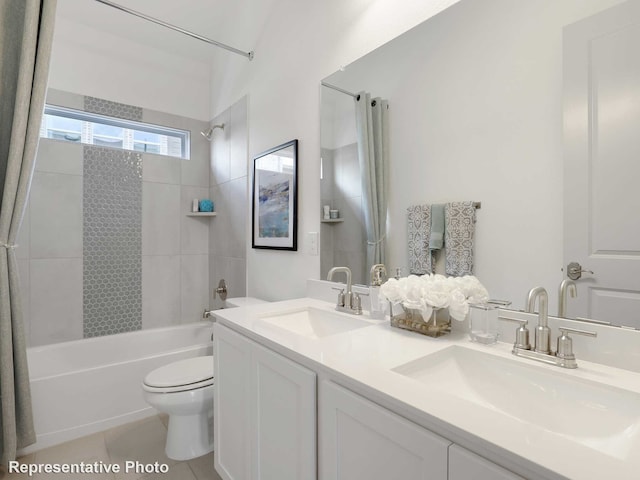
[88,119]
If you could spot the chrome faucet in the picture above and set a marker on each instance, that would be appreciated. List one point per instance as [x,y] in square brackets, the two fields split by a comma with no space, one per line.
[543,332]
[563,356]
[347,301]
[567,285]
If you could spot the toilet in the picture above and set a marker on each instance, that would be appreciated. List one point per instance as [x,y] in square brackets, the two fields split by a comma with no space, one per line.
[184,390]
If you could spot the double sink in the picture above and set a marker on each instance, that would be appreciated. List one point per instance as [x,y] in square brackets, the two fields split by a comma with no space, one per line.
[588,412]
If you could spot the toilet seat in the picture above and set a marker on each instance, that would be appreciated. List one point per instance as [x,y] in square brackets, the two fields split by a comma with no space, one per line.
[180,376]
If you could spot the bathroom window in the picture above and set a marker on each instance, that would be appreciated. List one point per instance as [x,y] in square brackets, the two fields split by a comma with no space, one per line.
[78,126]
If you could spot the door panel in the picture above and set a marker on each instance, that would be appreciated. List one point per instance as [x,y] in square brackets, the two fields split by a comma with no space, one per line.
[602,163]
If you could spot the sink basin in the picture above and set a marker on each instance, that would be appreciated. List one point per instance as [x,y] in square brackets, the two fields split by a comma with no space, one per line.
[596,415]
[313,322]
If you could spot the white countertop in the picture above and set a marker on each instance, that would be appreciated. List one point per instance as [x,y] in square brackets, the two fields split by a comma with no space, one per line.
[362,360]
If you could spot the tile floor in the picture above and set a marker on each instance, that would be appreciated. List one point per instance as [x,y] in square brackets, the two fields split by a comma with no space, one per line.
[141,441]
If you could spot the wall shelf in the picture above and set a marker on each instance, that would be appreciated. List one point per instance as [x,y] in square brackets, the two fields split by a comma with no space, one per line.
[202,214]
[332,220]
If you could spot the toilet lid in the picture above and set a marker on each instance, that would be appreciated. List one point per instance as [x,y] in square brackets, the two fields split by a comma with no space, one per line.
[182,373]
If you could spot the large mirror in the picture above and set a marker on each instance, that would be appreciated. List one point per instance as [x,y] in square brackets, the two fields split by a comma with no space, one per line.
[475,113]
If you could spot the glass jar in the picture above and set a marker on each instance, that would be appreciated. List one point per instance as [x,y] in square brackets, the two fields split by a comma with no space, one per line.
[483,321]
[438,324]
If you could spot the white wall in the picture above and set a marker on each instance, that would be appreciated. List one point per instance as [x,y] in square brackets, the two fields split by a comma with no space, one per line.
[467,146]
[88,61]
[476,114]
[300,43]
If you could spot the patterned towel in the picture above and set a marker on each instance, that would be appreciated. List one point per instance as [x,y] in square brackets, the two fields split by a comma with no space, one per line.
[459,219]
[419,230]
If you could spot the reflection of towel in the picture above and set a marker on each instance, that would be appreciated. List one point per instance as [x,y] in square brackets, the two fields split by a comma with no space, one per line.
[419,229]
[460,219]
[436,239]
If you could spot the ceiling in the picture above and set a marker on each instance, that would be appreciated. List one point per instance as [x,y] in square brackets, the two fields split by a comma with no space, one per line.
[237,23]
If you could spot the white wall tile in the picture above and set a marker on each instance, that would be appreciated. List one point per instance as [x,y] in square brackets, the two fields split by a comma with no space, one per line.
[194,230]
[161,169]
[160,290]
[350,235]
[233,270]
[229,228]
[65,99]
[56,216]
[194,287]
[57,156]
[196,170]
[326,248]
[160,219]
[327,182]
[221,150]
[55,300]
[348,178]
[356,261]
[238,139]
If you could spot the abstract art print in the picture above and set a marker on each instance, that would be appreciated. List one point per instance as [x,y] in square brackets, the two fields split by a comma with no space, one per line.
[275,198]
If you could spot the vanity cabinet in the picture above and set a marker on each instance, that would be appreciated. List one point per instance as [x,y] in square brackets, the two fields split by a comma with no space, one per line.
[464,465]
[264,412]
[359,439]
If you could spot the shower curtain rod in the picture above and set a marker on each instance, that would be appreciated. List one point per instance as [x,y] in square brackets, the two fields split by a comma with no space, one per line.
[328,85]
[249,55]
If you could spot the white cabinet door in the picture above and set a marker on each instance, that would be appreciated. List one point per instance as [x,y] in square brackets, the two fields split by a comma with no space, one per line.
[464,465]
[359,439]
[231,408]
[283,418]
[264,412]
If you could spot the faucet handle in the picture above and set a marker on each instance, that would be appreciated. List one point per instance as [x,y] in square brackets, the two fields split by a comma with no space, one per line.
[356,303]
[340,302]
[565,344]
[588,333]
[522,333]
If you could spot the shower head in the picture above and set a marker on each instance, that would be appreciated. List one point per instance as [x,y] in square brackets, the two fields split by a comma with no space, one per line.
[209,133]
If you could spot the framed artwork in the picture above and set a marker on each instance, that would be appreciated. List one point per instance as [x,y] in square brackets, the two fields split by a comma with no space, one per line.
[275,198]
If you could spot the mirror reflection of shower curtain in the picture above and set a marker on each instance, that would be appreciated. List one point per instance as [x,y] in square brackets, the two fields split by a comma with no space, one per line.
[372,133]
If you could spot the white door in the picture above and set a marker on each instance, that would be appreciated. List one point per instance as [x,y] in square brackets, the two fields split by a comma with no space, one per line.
[361,440]
[602,163]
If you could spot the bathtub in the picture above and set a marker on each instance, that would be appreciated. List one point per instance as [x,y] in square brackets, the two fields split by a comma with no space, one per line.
[86,386]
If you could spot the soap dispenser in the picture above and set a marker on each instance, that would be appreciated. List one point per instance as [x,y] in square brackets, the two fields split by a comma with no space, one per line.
[378,277]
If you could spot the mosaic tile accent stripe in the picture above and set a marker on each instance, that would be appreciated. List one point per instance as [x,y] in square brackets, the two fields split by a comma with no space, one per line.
[112,252]
[112,109]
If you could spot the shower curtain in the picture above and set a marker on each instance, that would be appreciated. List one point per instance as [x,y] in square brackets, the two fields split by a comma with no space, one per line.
[26,31]
[372,132]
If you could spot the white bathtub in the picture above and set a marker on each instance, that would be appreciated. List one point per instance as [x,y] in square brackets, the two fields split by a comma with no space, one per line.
[85,386]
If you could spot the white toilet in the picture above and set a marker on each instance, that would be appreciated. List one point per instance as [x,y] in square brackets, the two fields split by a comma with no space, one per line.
[184,390]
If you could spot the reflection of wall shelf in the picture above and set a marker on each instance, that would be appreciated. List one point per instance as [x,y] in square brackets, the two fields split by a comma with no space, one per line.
[202,214]
[332,220]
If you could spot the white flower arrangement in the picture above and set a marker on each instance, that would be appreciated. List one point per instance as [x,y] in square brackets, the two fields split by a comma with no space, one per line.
[428,292]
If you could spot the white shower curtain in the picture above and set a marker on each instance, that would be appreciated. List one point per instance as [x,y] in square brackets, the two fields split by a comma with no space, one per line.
[372,132]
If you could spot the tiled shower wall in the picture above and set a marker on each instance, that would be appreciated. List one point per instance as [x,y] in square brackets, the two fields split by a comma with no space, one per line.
[112,241]
[173,248]
[229,186]
[341,188]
